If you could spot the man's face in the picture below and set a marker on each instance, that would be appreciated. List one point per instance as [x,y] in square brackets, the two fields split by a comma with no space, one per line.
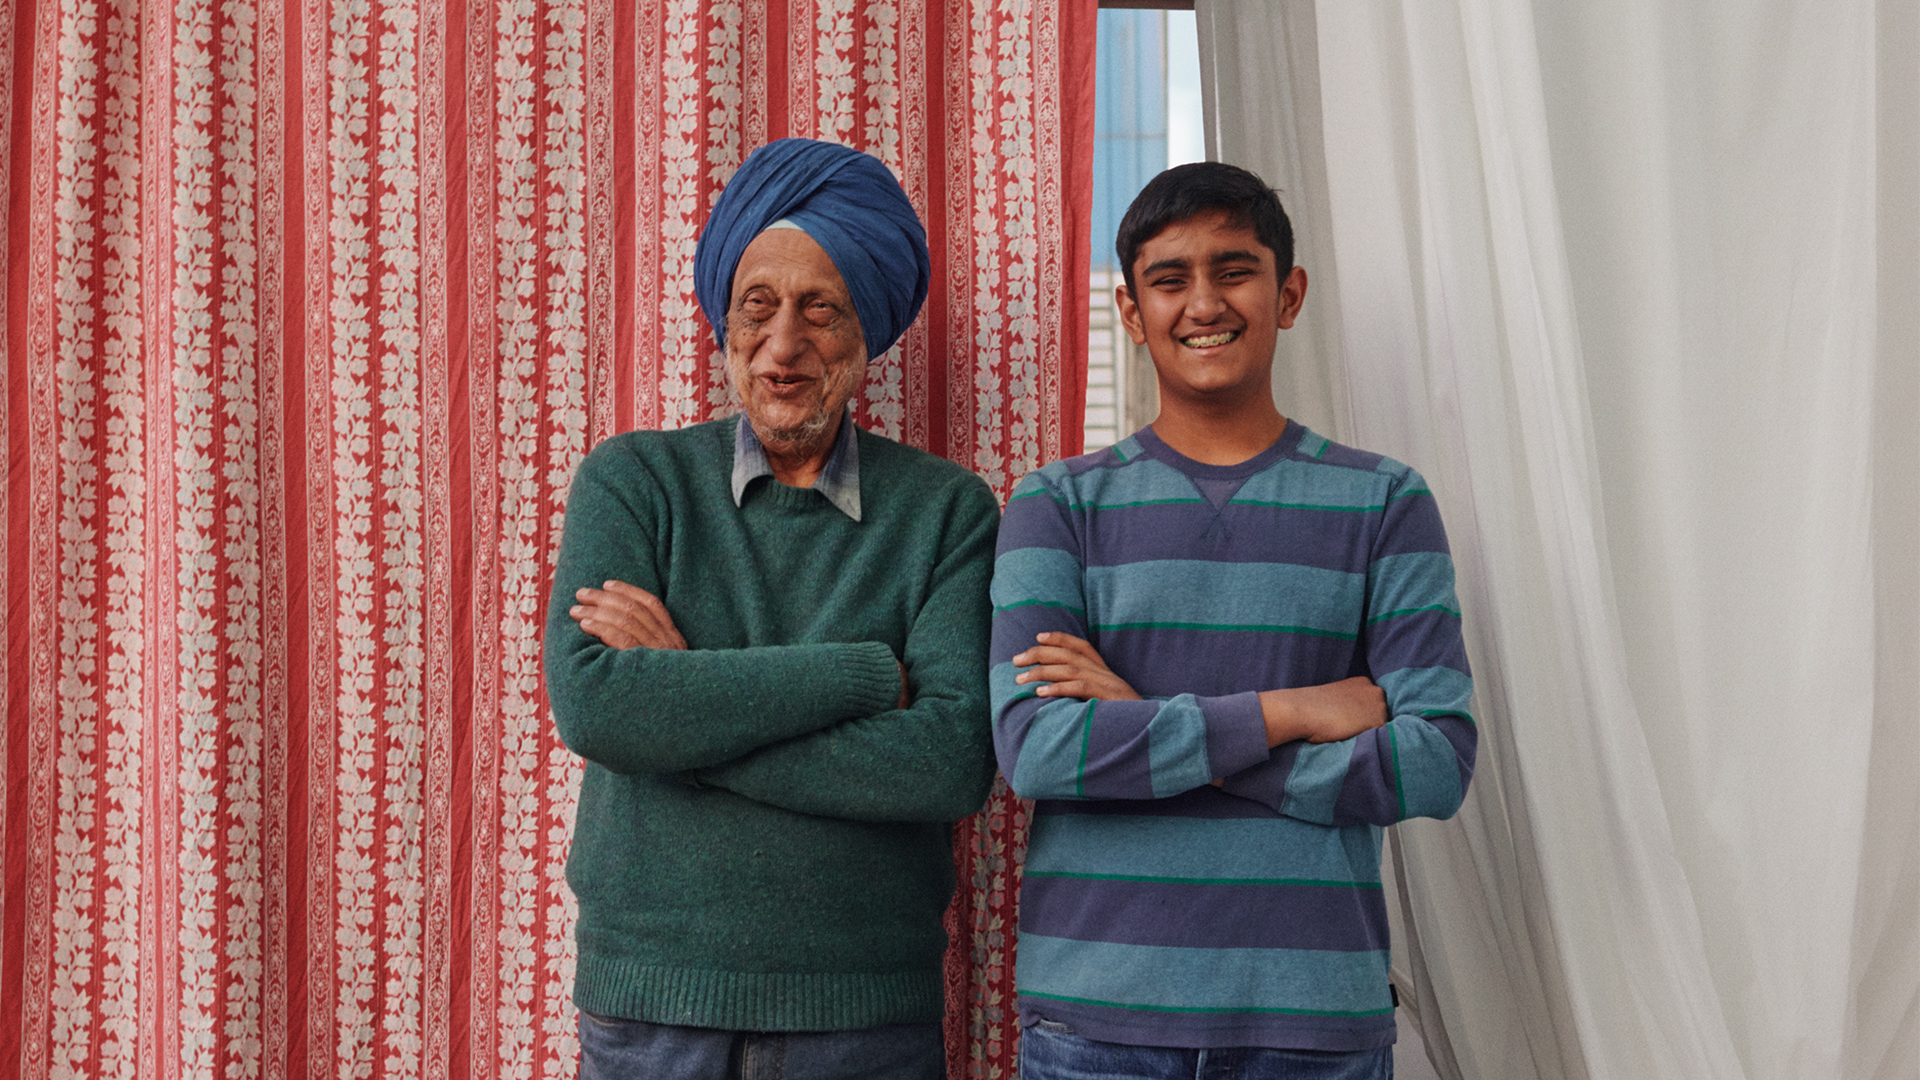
[1208,304]
[794,349]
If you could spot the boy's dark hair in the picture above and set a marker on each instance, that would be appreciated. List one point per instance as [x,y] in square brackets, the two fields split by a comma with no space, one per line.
[1187,191]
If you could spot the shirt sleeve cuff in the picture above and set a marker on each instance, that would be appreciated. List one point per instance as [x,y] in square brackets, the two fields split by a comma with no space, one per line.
[1236,733]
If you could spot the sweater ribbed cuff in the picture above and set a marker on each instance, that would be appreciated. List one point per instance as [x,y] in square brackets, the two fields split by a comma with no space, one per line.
[757,1001]
[873,673]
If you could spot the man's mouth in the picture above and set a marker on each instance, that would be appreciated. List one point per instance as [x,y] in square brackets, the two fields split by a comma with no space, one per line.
[1208,341]
[785,384]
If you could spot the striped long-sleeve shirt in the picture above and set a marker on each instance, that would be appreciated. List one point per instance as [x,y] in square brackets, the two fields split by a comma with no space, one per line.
[1157,909]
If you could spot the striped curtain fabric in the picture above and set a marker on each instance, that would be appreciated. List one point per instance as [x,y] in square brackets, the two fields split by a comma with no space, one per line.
[311,311]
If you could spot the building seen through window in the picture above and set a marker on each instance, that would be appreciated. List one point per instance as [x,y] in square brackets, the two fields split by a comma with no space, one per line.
[1146,118]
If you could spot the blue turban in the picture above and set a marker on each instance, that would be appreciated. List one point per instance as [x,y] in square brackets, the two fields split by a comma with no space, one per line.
[851,206]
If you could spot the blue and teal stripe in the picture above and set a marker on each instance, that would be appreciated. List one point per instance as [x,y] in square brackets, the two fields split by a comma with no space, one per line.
[1157,909]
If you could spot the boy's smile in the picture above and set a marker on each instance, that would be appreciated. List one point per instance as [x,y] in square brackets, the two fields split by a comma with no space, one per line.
[1208,303]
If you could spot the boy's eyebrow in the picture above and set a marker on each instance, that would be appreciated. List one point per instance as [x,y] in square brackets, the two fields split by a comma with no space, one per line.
[1165,264]
[1238,255]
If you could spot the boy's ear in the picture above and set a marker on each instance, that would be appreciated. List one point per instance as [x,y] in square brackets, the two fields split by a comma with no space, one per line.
[1129,314]
[1293,293]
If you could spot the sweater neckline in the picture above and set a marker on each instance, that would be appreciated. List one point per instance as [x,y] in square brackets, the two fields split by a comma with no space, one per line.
[1157,449]
[788,498]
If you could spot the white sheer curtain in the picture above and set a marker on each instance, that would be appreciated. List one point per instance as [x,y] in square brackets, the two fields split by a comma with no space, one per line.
[1637,286]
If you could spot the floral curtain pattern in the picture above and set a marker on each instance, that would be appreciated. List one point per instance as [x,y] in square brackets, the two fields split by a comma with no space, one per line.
[311,311]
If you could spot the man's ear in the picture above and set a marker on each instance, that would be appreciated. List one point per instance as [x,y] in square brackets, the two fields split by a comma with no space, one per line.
[1129,314]
[1293,293]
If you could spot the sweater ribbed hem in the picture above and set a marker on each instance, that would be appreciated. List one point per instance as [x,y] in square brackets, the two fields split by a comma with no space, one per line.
[1200,1030]
[757,1001]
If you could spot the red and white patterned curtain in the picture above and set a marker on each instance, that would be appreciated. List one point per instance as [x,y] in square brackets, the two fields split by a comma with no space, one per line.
[311,309]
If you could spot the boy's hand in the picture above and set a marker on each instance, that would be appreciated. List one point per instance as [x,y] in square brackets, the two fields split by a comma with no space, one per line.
[1070,668]
[625,616]
[1326,713]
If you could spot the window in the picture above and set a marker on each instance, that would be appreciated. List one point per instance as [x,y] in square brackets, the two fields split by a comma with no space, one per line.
[1146,118]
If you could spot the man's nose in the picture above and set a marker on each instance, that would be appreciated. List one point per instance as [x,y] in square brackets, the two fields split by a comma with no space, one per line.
[786,335]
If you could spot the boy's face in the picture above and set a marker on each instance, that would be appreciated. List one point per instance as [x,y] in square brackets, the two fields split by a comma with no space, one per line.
[1208,304]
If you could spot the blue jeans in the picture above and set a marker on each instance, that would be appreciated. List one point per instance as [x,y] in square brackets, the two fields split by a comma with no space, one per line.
[615,1049]
[1050,1051]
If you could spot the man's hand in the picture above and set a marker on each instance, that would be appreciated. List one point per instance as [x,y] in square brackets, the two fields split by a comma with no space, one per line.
[1326,713]
[625,617]
[1070,668]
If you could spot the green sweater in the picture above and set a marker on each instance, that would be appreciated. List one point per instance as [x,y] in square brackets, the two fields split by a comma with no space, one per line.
[763,840]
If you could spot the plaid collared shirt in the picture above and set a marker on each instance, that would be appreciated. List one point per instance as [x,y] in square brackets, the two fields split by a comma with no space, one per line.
[839,479]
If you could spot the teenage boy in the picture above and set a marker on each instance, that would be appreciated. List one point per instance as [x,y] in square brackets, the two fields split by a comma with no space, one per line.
[1226,652]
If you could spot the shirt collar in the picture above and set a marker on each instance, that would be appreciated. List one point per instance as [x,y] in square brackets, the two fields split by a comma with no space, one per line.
[839,479]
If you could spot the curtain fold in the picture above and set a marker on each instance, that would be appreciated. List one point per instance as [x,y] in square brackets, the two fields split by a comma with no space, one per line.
[1633,288]
[311,310]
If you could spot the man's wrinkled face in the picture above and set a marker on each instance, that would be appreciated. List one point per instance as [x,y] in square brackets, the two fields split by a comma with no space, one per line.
[794,348]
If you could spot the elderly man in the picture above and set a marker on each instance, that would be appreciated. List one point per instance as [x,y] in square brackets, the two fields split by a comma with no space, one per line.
[768,641]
